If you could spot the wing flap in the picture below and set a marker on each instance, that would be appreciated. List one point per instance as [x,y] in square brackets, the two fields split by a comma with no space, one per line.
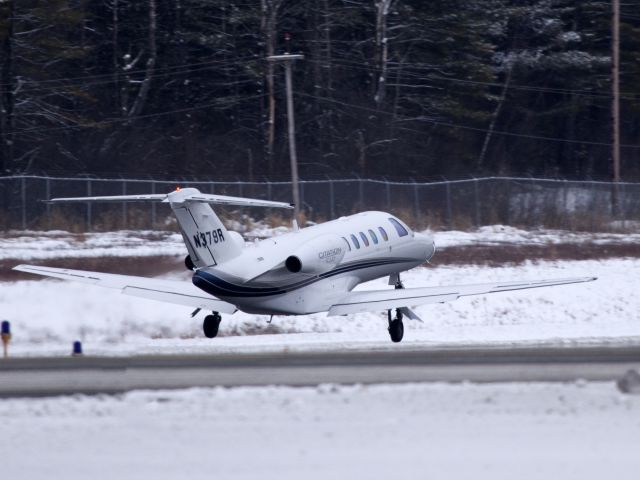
[170,291]
[376,300]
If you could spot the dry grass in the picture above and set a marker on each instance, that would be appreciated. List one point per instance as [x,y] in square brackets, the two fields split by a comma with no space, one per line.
[140,266]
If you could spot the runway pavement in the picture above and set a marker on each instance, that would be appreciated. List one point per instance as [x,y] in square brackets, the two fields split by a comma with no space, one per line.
[91,375]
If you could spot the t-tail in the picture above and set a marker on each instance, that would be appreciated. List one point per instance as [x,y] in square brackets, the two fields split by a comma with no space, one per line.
[207,240]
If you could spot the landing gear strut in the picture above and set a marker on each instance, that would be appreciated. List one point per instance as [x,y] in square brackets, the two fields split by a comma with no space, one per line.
[396,327]
[211,324]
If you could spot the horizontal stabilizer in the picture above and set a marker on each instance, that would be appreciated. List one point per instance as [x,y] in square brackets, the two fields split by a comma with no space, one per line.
[161,197]
[377,300]
[244,202]
[179,196]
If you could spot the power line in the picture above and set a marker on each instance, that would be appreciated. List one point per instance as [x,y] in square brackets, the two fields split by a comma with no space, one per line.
[211,63]
[464,127]
[406,72]
[129,119]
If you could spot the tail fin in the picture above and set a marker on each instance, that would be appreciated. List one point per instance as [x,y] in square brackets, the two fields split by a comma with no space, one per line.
[206,238]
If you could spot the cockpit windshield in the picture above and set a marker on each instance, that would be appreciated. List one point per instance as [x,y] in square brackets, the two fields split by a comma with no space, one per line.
[402,231]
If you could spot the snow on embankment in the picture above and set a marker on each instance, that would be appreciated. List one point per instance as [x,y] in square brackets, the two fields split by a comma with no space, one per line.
[556,431]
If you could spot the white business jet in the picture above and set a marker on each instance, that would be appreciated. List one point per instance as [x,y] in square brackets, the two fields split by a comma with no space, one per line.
[308,270]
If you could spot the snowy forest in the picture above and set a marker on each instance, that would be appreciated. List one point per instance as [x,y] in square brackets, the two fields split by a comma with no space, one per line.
[395,88]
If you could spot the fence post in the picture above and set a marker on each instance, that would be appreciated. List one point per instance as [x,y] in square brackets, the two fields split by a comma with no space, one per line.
[449,214]
[476,201]
[416,201]
[23,198]
[301,187]
[567,221]
[388,191]
[332,207]
[508,206]
[88,205]
[124,205]
[360,193]
[621,204]
[47,194]
[153,206]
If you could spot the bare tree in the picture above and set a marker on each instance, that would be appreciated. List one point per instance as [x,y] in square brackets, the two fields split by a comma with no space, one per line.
[6,85]
[269,25]
[494,118]
[382,48]
[130,112]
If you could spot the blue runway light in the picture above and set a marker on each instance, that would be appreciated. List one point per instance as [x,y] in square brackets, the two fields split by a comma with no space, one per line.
[77,348]
[6,336]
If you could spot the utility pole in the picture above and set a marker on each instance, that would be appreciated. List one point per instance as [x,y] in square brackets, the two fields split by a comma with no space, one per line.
[615,106]
[288,59]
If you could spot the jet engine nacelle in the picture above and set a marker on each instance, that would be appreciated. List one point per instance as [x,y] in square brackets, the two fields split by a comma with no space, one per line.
[317,256]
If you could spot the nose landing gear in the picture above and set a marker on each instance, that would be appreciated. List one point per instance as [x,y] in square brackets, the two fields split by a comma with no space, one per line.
[211,325]
[396,327]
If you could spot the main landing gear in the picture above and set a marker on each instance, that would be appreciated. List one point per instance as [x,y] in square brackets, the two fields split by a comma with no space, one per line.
[396,327]
[211,325]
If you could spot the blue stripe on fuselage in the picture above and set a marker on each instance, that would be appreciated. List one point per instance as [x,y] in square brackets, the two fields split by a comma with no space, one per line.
[218,287]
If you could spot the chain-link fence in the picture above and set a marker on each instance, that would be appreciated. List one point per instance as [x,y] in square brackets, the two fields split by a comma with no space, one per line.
[526,202]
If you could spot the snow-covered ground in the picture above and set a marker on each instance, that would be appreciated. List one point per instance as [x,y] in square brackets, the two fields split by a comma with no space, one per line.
[30,245]
[578,431]
[48,315]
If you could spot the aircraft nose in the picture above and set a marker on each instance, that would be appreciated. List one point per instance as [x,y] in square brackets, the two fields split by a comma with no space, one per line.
[428,243]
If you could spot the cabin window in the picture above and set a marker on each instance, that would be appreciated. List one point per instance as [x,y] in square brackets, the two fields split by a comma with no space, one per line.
[364,239]
[402,232]
[373,236]
[347,242]
[355,241]
[383,232]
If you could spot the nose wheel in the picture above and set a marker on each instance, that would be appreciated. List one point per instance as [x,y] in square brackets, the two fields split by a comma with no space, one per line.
[396,327]
[211,325]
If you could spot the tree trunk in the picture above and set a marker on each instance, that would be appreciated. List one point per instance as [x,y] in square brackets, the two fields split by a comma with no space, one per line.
[7,99]
[269,20]
[494,119]
[115,60]
[143,92]
[382,48]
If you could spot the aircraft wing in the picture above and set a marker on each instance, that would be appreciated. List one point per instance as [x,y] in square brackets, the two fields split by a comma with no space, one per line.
[170,291]
[377,300]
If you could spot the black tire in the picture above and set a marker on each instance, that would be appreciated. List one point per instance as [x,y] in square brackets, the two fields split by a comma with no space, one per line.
[211,325]
[188,262]
[396,330]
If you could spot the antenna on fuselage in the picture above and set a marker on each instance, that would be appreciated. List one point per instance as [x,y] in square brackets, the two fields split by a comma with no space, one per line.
[295,225]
